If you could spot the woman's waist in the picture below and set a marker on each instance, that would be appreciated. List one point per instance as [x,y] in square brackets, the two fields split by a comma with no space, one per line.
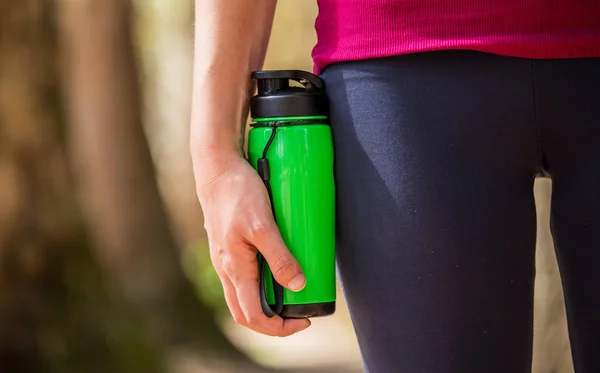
[535,28]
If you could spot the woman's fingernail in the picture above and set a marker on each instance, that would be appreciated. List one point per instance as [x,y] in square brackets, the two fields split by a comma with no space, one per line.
[305,326]
[297,283]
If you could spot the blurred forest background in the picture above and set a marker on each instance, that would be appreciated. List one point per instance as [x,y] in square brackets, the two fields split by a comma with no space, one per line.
[103,256]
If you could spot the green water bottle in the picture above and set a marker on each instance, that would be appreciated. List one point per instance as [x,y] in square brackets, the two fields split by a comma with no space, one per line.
[290,145]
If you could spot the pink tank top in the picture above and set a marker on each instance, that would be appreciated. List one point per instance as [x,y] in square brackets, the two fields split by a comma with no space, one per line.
[360,29]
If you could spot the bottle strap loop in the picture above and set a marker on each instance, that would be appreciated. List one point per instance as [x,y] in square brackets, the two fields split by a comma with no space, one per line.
[265,174]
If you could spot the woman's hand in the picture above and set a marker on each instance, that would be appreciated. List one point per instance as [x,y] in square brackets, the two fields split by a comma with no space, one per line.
[235,203]
[238,220]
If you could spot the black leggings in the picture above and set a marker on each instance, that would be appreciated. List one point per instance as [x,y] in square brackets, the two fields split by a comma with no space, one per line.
[436,155]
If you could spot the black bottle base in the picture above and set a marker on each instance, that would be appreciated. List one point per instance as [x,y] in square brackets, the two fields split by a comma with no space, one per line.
[302,311]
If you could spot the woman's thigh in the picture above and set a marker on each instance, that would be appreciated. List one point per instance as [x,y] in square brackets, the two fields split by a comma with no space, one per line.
[568,101]
[435,159]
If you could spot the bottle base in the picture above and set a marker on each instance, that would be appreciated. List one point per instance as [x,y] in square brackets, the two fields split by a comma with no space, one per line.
[302,311]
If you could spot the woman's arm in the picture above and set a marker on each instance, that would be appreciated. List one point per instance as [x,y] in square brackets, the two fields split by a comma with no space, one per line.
[231,39]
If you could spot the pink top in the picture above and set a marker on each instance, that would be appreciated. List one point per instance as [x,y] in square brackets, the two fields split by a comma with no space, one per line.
[359,29]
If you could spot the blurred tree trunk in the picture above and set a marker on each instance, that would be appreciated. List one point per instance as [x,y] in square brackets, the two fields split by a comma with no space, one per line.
[53,308]
[117,181]
[165,35]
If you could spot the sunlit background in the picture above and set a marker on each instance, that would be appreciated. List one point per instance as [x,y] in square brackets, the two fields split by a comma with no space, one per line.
[103,257]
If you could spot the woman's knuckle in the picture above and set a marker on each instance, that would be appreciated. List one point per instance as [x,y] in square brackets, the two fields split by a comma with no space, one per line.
[253,319]
[221,251]
[239,319]
[228,268]
[282,265]
[231,236]
[259,228]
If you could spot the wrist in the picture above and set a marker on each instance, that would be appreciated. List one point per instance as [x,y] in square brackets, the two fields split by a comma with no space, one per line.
[210,163]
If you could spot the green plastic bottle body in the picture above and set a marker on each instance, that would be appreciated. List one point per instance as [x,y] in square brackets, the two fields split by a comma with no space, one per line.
[301,161]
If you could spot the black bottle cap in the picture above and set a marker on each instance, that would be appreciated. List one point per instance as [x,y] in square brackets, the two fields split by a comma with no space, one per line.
[276,98]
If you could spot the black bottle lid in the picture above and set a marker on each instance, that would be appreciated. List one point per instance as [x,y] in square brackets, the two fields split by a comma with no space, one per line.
[276,98]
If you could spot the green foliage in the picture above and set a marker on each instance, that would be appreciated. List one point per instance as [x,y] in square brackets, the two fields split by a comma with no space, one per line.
[81,326]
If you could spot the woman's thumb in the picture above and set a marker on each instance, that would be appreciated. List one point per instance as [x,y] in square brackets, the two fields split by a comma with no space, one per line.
[283,265]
